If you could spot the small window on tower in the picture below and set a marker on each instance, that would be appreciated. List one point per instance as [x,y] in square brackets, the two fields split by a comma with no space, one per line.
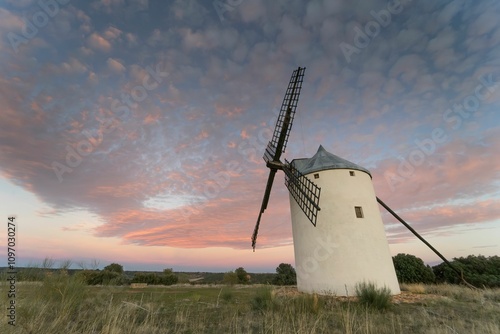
[351,172]
[359,211]
[316,176]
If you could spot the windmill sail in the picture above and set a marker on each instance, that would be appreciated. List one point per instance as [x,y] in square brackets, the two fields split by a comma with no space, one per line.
[263,207]
[283,126]
[307,193]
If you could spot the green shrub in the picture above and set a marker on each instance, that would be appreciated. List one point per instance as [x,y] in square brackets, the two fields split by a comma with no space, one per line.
[477,270]
[411,269]
[371,296]
[285,275]
[167,278]
[101,277]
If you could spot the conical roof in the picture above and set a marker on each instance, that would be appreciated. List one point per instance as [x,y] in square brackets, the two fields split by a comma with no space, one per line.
[324,160]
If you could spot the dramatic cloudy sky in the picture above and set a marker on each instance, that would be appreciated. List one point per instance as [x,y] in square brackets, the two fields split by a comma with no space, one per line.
[132,131]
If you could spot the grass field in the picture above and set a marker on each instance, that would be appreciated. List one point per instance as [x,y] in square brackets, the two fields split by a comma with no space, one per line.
[62,304]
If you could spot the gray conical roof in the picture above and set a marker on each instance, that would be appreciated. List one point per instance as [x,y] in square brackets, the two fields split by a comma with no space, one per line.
[324,160]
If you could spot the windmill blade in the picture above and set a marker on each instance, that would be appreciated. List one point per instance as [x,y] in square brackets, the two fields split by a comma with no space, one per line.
[265,200]
[283,126]
[305,192]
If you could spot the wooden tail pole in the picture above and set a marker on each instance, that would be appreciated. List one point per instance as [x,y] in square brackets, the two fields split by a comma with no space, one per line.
[455,269]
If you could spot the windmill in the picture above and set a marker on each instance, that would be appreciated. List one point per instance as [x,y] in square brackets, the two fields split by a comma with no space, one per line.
[346,243]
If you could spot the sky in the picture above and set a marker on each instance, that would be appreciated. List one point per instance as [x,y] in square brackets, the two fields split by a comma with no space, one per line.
[132,131]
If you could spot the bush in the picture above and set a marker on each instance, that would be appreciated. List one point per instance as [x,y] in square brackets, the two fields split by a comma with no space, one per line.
[371,296]
[105,277]
[167,278]
[477,270]
[285,275]
[411,269]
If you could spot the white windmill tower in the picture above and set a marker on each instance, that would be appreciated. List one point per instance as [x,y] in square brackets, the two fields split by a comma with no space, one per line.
[347,244]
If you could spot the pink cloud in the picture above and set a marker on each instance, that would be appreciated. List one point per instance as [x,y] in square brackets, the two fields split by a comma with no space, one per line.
[115,65]
[456,168]
[97,42]
[112,33]
[445,219]
[151,118]
[446,190]
[223,218]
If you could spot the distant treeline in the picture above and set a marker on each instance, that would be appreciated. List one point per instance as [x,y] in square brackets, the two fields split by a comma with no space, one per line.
[115,275]
[478,270]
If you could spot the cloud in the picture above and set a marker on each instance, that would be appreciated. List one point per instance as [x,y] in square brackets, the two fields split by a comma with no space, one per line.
[112,33]
[251,10]
[9,21]
[74,66]
[450,11]
[443,40]
[484,24]
[107,5]
[115,65]
[97,42]
[445,219]
[451,188]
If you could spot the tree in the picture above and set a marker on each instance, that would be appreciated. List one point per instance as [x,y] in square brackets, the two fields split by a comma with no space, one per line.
[242,275]
[168,277]
[114,267]
[411,269]
[477,270]
[285,275]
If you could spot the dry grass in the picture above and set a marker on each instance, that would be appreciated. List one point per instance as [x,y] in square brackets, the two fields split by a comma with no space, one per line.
[418,288]
[65,305]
